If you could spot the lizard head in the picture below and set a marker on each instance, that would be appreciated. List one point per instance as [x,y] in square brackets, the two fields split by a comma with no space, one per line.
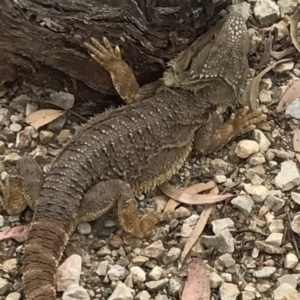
[218,56]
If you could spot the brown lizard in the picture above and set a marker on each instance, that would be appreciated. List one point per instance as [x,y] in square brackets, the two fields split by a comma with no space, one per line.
[135,148]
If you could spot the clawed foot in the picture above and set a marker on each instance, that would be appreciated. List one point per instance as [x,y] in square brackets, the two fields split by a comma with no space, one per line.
[103,54]
[111,60]
[243,121]
[13,200]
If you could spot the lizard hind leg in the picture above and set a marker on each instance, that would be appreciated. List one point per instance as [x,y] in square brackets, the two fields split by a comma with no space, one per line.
[111,60]
[145,225]
[99,199]
[105,194]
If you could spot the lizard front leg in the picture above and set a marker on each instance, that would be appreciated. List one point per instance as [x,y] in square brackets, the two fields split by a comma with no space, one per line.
[104,195]
[210,139]
[121,74]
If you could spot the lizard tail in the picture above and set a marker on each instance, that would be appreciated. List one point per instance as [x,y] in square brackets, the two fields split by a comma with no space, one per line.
[43,249]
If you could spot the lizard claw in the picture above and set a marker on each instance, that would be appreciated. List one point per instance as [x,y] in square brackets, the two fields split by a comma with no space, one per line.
[243,121]
[104,53]
[111,60]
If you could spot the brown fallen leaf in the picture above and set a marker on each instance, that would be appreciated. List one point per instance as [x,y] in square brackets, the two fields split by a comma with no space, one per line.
[296,142]
[291,94]
[198,229]
[194,189]
[42,117]
[197,285]
[251,91]
[183,197]
[293,28]
[19,233]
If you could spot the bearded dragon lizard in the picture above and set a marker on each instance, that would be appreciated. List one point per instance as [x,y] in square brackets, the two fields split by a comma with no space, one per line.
[133,149]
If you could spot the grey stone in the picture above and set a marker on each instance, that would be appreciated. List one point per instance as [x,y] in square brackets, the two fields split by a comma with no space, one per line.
[266,12]
[275,203]
[143,295]
[174,286]
[288,177]
[290,261]
[15,127]
[102,268]
[63,99]
[284,291]
[138,274]
[245,148]
[11,158]
[265,272]
[4,116]
[23,138]
[2,221]
[13,296]
[275,239]
[287,6]
[46,136]
[227,260]
[276,226]
[293,110]
[291,279]
[262,140]
[75,292]
[221,224]
[244,203]
[215,280]
[84,228]
[10,266]
[30,108]
[296,197]
[57,124]
[19,103]
[157,285]
[4,286]
[117,273]
[172,255]
[156,273]
[228,291]
[223,242]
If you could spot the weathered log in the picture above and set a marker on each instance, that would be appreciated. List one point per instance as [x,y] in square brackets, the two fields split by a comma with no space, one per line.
[43,39]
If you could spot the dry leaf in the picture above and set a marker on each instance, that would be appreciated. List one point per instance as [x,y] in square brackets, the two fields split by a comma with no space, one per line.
[267,51]
[293,29]
[251,91]
[283,53]
[296,142]
[194,189]
[183,197]
[198,229]
[19,233]
[42,117]
[291,94]
[197,285]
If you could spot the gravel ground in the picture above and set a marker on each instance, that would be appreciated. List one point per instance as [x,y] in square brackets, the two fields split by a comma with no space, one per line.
[250,244]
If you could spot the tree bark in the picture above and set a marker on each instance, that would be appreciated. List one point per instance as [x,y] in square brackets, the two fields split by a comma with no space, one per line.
[43,39]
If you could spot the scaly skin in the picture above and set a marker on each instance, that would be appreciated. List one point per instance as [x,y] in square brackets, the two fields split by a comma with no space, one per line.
[134,148]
